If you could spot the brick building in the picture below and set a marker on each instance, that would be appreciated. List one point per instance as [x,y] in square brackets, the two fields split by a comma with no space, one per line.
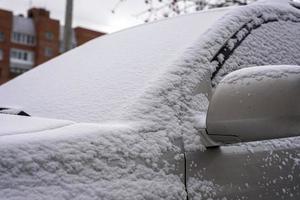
[26,42]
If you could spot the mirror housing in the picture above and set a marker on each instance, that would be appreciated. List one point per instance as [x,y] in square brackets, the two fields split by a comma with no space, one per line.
[255,103]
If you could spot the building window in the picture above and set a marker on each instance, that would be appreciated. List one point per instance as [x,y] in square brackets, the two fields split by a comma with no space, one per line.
[22,55]
[17,71]
[21,60]
[30,40]
[23,38]
[49,35]
[1,37]
[48,52]
[1,54]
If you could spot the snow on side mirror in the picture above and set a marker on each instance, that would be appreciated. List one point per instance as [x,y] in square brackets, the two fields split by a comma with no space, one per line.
[256,103]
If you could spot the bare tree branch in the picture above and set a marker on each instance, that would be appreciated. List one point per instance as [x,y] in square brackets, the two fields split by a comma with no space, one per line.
[157,9]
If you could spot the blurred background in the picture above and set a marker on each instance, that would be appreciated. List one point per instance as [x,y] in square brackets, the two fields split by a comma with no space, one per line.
[35,31]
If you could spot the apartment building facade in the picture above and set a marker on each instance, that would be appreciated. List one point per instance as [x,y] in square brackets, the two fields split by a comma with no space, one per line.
[26,42]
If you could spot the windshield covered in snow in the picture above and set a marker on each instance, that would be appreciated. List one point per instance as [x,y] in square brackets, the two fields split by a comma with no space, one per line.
[98,81]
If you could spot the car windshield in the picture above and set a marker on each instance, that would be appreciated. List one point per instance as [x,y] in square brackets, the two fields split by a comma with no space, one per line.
[100,80]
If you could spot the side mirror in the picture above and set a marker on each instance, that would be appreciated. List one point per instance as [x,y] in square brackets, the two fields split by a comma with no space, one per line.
[256,103]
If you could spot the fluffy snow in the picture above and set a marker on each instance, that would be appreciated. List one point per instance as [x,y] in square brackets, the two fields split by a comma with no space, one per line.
[13,124]
[247,75]
[202,189]
[149,87]
[88,161]
[100,80]
[278,49]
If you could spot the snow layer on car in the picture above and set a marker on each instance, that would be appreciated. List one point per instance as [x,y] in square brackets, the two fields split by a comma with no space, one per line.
[100,80]
[88,161]
[249,74]
[121,160]
[12,124]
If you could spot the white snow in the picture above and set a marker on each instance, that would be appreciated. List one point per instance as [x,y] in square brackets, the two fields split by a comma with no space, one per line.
[261,46]
[88,161]
[14,124]
[100,80]
[250,74]
[202,189]
[104,81]
[147,86]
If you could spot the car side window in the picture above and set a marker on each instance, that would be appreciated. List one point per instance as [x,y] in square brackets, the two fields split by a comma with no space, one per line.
[272,42]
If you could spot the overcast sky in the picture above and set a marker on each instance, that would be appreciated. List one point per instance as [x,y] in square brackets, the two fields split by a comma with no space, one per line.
[94,14]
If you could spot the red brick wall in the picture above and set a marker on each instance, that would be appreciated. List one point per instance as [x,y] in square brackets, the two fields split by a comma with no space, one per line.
[38,12]
[83,35]
[42,27]
[44,24]
[5,27]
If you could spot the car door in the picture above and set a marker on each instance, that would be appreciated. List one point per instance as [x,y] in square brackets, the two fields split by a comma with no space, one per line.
[255,170]
[267,169]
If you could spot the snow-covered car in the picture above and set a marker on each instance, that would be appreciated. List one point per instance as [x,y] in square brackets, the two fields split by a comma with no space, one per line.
[201,106]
